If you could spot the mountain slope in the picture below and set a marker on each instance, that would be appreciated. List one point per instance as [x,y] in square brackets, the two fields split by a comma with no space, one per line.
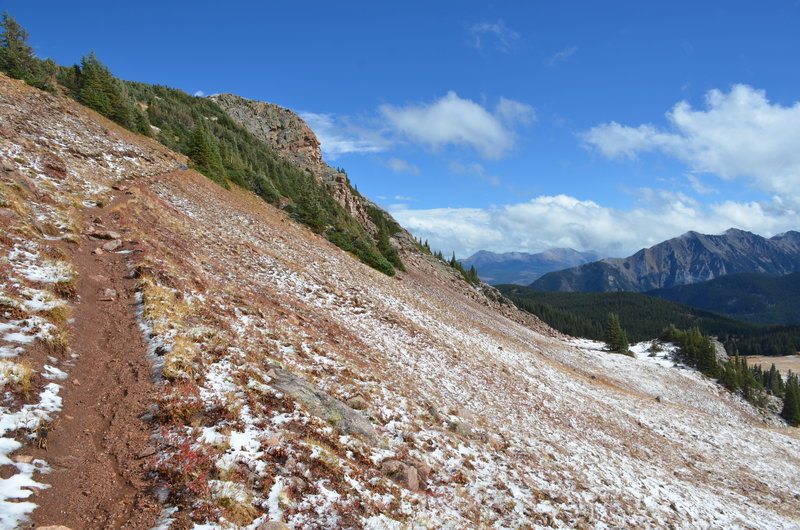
[687,259]
[523,268]
[752,297]
[299,385]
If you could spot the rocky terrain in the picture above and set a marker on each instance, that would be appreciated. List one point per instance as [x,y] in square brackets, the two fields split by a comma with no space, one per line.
[293,386]
[522,268]
[687,259]
[288,135]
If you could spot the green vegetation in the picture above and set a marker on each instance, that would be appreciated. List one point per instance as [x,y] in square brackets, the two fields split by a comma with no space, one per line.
[752,297]
[471,275]
[614,336]
[216,146]
[645,317]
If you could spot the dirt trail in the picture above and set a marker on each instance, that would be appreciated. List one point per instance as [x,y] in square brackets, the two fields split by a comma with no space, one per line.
[98,447]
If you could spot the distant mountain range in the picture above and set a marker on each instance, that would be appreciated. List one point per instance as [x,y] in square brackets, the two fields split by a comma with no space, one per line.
[522,268]
[688,259]
[757,298]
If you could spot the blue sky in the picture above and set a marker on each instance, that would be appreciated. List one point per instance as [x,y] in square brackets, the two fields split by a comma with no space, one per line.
[498,125]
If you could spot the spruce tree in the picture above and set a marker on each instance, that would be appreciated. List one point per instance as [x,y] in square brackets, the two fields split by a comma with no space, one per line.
[791,401]
[204,154]
[16,55]
[615,337]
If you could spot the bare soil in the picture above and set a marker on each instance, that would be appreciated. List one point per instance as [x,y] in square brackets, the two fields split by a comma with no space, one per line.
[98,448]
[783,363]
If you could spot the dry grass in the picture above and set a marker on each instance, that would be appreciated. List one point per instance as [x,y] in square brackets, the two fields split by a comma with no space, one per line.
[165,308]
[19,374]
[179,363]
[59,314]
[56,340]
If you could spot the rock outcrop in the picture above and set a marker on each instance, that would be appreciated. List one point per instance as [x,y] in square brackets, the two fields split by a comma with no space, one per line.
[290,136]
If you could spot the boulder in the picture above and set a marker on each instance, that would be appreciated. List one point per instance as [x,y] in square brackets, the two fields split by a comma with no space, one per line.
[344,419]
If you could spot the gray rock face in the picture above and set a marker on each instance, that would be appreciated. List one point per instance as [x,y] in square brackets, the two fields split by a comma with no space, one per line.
[684,260]
[290,137]
[343,418]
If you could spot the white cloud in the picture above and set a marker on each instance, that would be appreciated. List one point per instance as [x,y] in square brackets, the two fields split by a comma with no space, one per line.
[403,198]
[512,112]
[338,137]
[563,221]
[497,33]
[561,55]
[399,165]
[740,135]
[199,94]
[455,121]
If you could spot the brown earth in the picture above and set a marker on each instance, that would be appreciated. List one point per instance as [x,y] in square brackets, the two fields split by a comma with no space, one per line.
[783,363]
[98,448]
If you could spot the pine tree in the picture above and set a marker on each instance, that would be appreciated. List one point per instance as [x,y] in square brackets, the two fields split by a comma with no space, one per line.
[16,55]
[204,154]
[615,337]
[791,401]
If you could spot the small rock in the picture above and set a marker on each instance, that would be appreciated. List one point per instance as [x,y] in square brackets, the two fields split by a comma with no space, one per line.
[391,466]
[408,477]
[150,451]
[99,278]
[67,416]
[272,525]
[112,245]
[76,382]
[357,403]
[97,251]
[23,459]
[120,187]
[97,221]
[272,441]
[658,398]
[110,293]
[53,527]
[424,471]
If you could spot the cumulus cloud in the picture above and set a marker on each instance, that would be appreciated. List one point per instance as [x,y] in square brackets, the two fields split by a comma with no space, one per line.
[739,135]
[563,221]
[199,94]
[561,56]
[399,165]
[495,34]
[337,137]
[452,120]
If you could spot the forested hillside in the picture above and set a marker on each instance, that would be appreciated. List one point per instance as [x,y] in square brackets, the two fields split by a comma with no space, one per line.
[645,317]
[758,298]
[217,146]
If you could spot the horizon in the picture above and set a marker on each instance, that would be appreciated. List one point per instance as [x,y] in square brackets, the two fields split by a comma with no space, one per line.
[500,127]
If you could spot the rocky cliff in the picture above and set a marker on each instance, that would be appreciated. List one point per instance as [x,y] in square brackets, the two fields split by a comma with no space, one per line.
[290,136]
[688,259]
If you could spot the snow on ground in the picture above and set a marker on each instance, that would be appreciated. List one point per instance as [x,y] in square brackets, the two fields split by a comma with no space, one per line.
[54,162]
[511,428]
[481,420]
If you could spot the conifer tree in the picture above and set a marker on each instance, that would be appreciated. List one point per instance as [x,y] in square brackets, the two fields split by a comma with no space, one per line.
[615,337]
[16,55]
[204,154]
[791,401]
